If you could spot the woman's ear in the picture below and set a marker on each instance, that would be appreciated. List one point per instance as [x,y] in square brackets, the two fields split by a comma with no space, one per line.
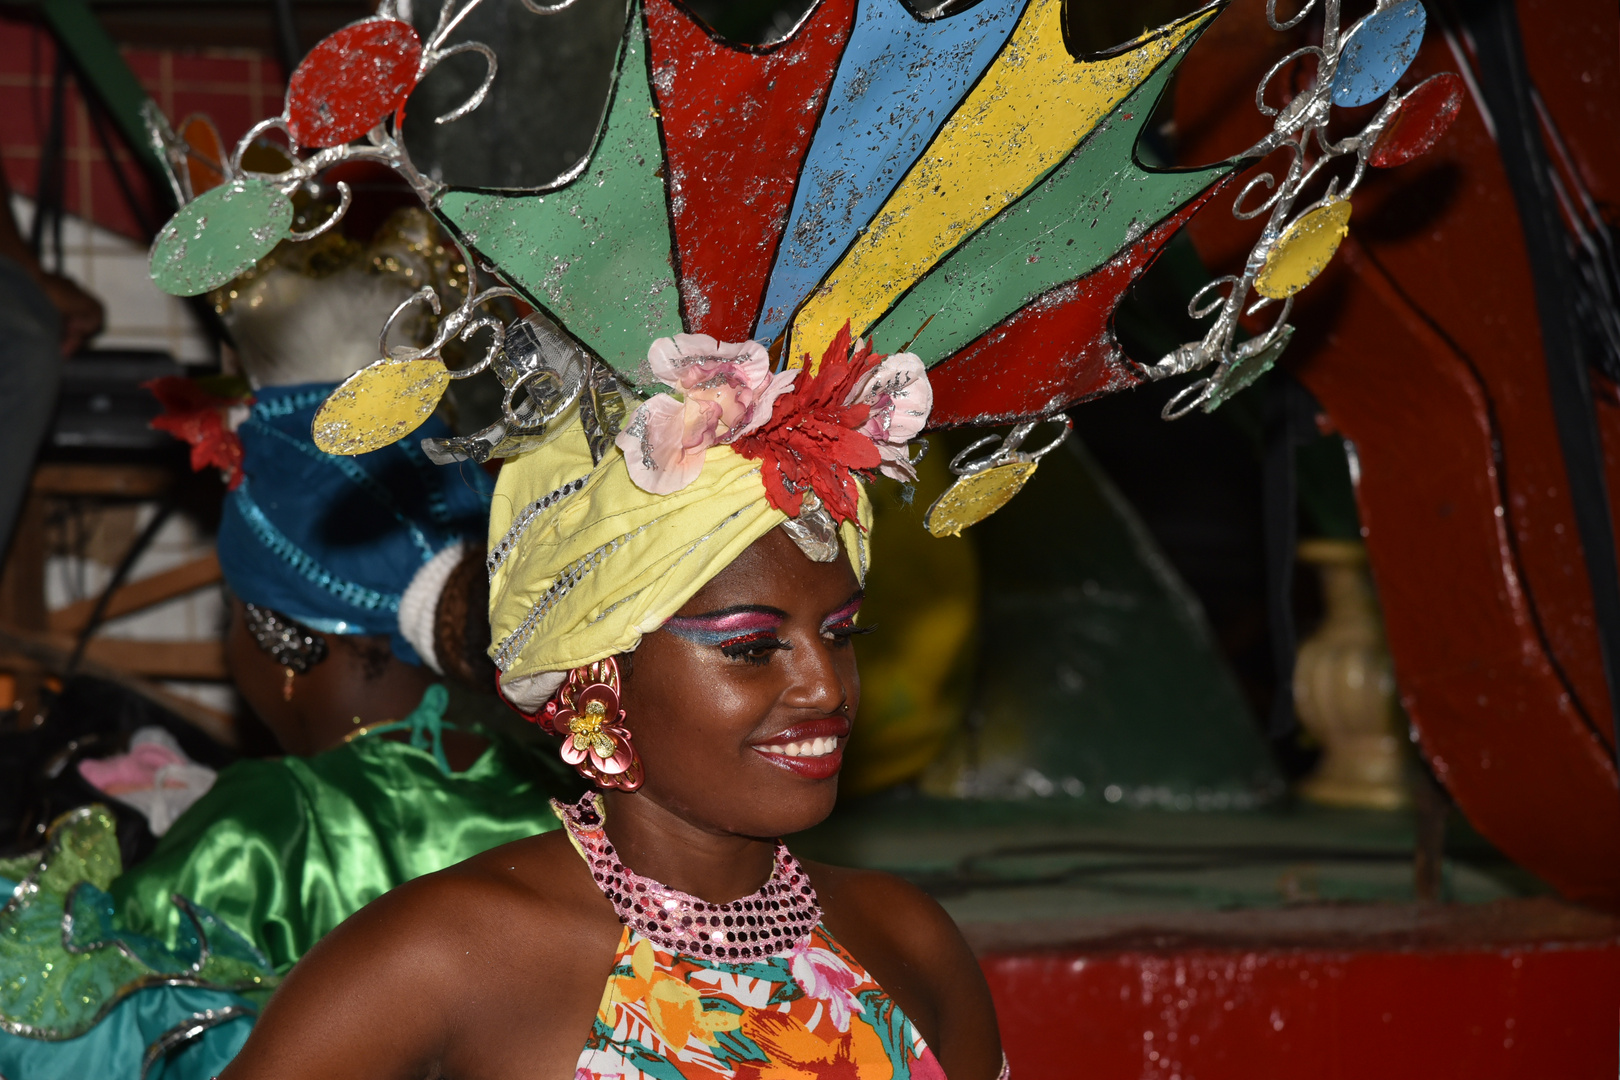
[461,624]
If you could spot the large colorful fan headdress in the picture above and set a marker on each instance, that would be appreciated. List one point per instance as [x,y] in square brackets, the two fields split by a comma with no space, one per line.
[964,188]
[925,182]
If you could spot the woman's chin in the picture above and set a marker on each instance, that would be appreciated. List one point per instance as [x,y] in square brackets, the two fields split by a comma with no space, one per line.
[760,794]
[790,805]
[806,809]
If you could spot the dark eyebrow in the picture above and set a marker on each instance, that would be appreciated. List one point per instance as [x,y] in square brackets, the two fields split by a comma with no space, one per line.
[737,609]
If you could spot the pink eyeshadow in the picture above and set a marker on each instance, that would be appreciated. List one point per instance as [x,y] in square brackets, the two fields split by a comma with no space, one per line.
[720,629]
[733,623]
[844,614]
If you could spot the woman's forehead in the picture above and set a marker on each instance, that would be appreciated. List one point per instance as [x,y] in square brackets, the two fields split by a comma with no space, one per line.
[773,572]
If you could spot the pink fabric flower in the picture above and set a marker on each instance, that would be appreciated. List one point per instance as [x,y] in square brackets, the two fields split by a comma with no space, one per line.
[595,729]
[900,398]
[137,770]
[726,391]
[826,978]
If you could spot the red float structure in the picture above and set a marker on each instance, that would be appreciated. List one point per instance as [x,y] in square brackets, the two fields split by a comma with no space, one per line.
[1485,997]
[1426,354]
[1423,345]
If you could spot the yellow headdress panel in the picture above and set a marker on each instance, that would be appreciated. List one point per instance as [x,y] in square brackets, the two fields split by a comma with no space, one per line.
[583,562]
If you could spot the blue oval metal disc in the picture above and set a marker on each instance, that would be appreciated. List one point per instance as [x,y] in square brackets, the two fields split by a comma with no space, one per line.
[1377,52]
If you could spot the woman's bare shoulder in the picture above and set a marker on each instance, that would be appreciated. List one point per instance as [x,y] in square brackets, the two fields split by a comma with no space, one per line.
[541,872]
[527,910]
[442,969]
[906,915]
[532,894]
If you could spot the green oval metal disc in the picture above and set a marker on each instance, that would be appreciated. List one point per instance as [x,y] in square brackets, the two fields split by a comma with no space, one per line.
[379,405]
[218,235]
[1241,375]
[975,497]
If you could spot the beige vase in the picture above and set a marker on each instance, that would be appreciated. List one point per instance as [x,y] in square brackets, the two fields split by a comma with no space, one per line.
[1344,687]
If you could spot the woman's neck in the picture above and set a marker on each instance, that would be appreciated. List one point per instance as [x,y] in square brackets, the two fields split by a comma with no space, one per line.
[352,705]
[660,843]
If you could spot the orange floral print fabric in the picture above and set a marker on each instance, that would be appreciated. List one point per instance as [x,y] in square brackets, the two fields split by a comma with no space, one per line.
[813,1011]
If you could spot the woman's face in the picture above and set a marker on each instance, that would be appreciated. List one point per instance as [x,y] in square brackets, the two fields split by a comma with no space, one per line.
[741,705]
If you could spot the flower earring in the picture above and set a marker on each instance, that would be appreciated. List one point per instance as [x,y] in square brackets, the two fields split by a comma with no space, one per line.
[585,712]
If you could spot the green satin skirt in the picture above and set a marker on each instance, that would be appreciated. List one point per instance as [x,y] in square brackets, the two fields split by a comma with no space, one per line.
[284,850]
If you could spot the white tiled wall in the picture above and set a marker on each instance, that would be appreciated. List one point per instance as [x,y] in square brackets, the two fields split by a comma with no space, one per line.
[113,268]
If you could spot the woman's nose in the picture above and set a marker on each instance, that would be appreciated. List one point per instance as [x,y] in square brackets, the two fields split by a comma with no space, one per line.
[818,678]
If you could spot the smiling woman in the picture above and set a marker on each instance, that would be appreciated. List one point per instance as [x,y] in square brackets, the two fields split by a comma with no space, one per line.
[682,612]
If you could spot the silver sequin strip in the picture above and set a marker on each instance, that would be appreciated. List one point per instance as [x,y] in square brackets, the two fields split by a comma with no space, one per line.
[572,575]
[526,518]
[514,642]
[616,605]
[706,537]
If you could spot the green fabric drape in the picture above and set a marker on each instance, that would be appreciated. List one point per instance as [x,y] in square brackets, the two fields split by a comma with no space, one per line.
[284,850]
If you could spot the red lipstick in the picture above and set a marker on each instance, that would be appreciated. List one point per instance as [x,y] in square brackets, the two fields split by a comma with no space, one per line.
[821,766]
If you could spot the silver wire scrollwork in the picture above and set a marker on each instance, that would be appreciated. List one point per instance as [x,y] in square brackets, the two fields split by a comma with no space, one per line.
[545,373]
[1009,447]
[1299,129]
[542,370]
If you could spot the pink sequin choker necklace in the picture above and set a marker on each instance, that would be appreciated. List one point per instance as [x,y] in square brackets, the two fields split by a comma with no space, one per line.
[774,921]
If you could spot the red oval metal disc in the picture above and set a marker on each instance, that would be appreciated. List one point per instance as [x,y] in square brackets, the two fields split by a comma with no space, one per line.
[351,80]
[1419,121]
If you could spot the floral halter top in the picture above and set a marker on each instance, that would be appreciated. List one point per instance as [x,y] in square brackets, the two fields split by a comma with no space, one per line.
[753,990]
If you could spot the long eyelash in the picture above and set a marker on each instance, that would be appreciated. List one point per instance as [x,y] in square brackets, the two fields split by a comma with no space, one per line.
[841,623]
[743,648]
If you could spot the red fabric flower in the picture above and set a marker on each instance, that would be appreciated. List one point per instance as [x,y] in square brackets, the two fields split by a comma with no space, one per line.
[813,440]
[197,415]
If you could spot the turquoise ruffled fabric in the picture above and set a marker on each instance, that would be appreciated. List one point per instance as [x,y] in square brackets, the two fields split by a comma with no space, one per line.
[80,996]
[117,1047]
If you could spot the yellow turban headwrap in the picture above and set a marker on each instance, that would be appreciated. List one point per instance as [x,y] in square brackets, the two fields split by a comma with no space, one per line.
[583,562]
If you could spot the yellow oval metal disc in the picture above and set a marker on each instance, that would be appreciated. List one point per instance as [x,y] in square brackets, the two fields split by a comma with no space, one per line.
[1303,250]
[975,497]
[379,405]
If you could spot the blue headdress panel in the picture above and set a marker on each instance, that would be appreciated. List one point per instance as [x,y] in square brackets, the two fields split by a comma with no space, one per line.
[333,542]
